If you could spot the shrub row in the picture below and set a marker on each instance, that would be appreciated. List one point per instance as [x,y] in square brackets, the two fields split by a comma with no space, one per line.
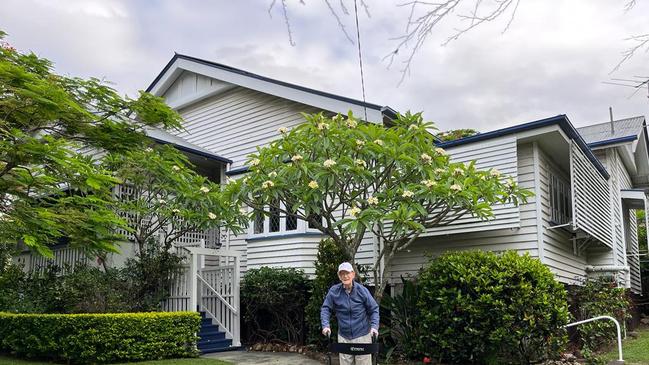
[99,338]
[274,301]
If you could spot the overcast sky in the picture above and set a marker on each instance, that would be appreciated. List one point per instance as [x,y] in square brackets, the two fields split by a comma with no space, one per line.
[552,59]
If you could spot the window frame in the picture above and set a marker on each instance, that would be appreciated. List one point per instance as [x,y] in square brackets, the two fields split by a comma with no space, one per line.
[301,227]
[559,193]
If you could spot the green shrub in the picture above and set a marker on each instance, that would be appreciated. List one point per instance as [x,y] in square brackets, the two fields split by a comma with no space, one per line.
[274,301]
[401,319]
[100,338]
[140,286]
[149,277]
[599,297]
[479,307]
[326,275]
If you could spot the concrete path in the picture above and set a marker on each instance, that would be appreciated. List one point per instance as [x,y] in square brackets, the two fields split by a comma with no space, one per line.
[257,357]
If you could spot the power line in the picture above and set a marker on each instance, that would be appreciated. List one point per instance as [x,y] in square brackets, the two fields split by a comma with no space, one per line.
[360,58]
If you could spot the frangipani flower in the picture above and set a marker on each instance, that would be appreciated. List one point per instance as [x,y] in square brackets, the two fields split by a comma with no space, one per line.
[329,163]
[313,184]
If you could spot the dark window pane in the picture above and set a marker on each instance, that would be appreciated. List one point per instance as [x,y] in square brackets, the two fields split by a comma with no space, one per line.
[274,217]
[291,223]
[259,223]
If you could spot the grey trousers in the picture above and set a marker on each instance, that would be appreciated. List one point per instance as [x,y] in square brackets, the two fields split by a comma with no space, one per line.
[360,359]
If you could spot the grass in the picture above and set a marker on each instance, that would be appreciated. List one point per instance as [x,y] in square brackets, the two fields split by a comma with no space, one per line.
[635,351]
[4,360]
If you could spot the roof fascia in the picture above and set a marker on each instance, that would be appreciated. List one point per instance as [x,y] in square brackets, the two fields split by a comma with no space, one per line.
[613,141]
[561,120]
[194,151]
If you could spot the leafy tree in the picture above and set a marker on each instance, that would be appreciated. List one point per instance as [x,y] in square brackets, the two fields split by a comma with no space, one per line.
[163,200]
[348,178]
[167,199]
[454,134]
[50,185]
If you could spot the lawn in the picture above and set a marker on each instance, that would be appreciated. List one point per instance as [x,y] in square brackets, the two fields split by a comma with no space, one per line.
[634,350]
[12,361]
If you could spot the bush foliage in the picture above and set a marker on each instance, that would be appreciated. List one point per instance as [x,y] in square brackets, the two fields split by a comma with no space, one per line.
[100,338]
[274,301]
[402,320]
[480,307]
[140,286]
[599,297]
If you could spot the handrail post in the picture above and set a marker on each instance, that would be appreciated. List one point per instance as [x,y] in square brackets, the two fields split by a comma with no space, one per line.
[193,283]
[617,325]
[236,333]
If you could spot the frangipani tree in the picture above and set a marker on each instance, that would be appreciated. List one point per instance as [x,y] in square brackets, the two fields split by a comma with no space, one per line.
[164,198]
[348,178]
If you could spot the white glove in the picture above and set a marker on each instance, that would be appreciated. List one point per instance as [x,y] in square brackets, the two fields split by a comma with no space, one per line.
[374,332]
[326,331]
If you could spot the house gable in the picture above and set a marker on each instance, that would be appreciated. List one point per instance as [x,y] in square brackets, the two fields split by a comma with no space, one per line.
[180,64]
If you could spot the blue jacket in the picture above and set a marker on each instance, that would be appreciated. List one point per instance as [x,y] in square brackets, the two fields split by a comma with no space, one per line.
[356,312]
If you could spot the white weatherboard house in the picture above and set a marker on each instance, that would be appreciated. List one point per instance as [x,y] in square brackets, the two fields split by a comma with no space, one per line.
[581,221]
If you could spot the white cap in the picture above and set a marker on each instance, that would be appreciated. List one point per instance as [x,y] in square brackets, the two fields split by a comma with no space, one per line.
[345,266]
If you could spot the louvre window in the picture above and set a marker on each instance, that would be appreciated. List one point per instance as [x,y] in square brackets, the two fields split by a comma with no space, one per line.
[560,200]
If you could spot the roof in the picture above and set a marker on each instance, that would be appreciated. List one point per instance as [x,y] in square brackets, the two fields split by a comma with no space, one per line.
[624,130]
[165,137]
[561,120]
[386,110]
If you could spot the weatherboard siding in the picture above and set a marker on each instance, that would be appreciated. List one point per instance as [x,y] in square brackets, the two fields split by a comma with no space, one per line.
[497,153]
[233,124]
[523,238]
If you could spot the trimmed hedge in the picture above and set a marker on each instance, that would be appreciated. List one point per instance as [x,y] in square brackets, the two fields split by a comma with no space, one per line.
[100,338]
[486,308]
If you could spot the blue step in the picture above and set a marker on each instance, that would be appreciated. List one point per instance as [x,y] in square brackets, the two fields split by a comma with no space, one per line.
[211,339]
[211,335]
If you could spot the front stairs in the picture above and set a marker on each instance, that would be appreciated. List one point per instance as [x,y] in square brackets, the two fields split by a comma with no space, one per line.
[210,338]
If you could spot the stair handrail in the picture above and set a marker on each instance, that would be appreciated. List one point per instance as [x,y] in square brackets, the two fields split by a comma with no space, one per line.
[194,277]
[617,325]
[233,309]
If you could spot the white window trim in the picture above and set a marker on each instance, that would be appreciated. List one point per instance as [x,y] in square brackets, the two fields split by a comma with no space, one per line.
[301,228]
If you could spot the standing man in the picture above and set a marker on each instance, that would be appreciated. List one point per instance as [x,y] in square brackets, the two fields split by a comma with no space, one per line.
[356,311]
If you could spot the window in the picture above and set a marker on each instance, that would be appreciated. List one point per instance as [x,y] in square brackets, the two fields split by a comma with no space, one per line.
[275,222]
[258,223]
[560,200]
